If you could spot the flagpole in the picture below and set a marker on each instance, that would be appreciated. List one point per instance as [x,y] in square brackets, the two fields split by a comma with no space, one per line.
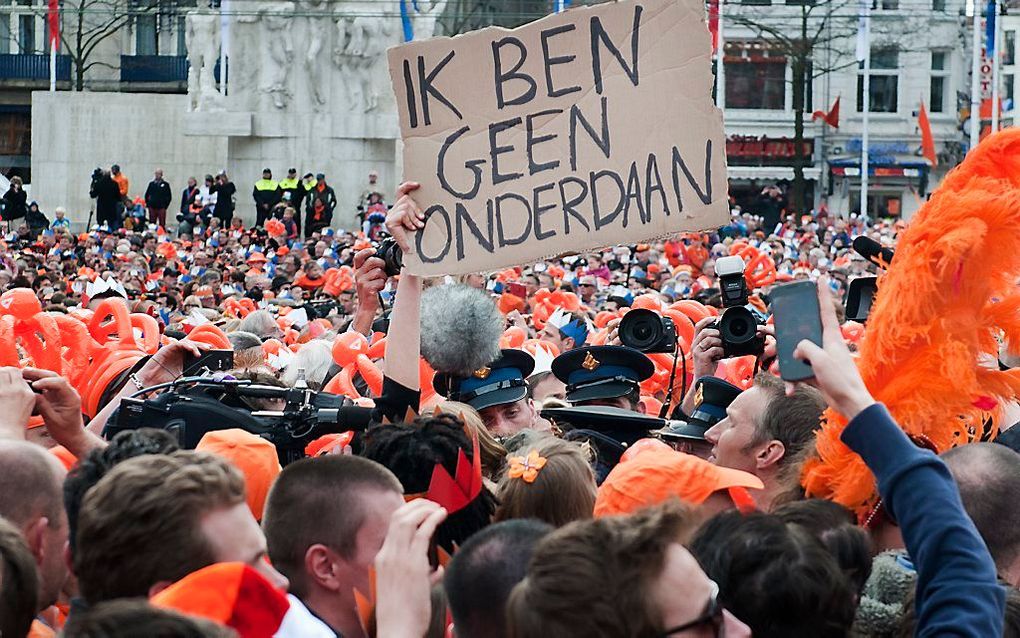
[995,68]
[720,63]
[53,64]
[975,79]
[866,106]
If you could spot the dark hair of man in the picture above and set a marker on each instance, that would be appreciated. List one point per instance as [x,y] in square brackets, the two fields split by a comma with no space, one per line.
[988,476]
[19,583]
[594,578]
[484,571]
[30,486]
[789,419]
[133,618]
[89,470]
[776,578]
[412,450]
[140,524]
[320,501]
[836,527]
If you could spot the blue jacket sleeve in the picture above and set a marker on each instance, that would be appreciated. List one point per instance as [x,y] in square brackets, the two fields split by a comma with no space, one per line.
[957,592]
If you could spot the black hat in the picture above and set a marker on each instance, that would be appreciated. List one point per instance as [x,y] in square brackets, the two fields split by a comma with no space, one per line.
[609,430]
[711,398]
[291,171]
[500,382]
[601,372]
[266,170]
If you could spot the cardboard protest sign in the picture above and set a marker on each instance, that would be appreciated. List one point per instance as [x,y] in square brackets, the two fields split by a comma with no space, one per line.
[589,128]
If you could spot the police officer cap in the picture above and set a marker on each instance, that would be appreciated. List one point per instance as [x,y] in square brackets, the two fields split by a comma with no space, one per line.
[601,372]
[711,398]
[500,382]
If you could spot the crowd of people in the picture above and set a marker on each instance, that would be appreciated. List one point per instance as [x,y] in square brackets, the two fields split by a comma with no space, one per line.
[518,467]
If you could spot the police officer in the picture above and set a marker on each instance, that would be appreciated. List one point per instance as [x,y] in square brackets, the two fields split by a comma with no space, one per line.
[603,375]
[711,398]
[499,392]
[267,194]
[292,185]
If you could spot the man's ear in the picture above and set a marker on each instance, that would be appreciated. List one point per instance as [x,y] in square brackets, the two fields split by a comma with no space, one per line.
[770,454]
[568,343]
[35,533]
[321,566]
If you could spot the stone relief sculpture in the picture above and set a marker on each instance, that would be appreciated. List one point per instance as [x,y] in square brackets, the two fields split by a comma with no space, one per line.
[278,39]
[243,72]
[202,37]
[317,34]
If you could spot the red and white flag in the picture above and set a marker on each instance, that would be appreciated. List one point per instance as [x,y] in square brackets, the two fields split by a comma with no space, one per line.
[53,19]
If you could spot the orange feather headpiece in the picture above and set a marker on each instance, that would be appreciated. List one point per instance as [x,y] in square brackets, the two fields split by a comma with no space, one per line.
[931,345]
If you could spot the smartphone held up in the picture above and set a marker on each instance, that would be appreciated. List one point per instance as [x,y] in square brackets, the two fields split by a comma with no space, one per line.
[797,317]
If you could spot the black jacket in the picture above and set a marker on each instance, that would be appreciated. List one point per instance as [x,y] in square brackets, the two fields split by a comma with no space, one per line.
[188,196]
[319,209]
[158,194]
[107,195]
[15,204]
[224,207]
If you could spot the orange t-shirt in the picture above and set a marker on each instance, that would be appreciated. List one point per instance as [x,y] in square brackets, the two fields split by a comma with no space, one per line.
[122,183]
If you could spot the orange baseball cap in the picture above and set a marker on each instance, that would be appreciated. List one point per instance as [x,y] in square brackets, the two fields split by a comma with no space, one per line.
[253,455]
[656,475]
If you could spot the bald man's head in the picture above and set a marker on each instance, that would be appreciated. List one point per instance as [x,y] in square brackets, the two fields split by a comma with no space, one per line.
[988,475]
[32,500]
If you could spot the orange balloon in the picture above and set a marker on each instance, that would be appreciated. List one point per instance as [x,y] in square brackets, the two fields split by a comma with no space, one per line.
[513,337]
[20,302]
[347,347]
[371,373]
[647,301]
[211,335]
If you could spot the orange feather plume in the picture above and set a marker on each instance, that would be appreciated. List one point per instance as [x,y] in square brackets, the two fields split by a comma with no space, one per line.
[930,350]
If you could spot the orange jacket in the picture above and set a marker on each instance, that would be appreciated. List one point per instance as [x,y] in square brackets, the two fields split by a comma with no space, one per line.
[122,183]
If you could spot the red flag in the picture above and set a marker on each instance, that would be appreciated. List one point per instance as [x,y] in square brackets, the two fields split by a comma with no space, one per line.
[832,117]
[53,16]
[927,141]
[713,23]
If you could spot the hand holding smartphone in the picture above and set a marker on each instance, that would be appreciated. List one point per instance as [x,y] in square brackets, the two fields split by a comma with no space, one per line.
[797,317]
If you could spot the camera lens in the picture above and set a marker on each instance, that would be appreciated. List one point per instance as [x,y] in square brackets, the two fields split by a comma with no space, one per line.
[738,325]
[640,329]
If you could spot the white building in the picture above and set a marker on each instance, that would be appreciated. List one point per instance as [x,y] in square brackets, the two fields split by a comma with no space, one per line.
[919,51]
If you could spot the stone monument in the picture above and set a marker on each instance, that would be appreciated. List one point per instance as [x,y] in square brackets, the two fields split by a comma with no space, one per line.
[307,87]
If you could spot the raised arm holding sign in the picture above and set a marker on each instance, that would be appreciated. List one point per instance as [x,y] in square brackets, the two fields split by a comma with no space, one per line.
[588,128]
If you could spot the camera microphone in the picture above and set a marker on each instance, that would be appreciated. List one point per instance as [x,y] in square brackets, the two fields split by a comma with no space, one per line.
[873,251]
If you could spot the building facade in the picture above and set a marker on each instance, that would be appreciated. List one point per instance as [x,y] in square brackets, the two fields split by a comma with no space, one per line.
[919,53]
[106,45]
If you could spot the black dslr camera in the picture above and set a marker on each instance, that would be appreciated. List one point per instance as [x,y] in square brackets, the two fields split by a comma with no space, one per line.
[738,327]
[391,255]
[644,330]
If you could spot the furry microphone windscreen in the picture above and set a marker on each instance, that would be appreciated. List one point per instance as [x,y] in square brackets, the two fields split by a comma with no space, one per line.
[460,329]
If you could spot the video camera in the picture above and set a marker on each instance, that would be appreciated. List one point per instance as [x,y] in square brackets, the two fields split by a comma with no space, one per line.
[192,406]
[738,327]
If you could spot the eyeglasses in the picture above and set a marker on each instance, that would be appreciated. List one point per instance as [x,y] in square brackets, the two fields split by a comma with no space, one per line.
[712,616]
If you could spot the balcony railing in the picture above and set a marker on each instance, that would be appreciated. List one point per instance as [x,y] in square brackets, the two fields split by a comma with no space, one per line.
[154,68]
[28,66]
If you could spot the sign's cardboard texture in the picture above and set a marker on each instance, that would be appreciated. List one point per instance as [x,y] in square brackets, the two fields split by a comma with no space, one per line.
[589,128]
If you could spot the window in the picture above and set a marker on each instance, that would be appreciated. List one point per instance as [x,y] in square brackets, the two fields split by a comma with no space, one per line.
[1009,48]
[938,5]
[884,84]
[182,46]
[145,35]
[939,81]
[26,34]
[758,2]
[5,33]
[755,77]
[890,5]
[1008,94]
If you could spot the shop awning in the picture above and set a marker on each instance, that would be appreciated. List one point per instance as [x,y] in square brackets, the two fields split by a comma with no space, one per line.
[770,172]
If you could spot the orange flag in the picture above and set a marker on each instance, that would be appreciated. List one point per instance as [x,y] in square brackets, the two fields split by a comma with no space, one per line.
[927,141]
[831,118]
